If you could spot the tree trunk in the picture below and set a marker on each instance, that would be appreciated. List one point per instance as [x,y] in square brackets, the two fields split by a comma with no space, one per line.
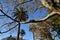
[18,31]
[33,36]
[21,38]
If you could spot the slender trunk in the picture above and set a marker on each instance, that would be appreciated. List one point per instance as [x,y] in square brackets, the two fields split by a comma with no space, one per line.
[18,31]
[21,37]
[33,36]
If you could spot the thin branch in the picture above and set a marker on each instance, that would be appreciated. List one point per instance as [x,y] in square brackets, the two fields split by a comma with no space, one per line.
[35,10]
[38,8]
[5,24]
[9,29]
[22,3]
[2,15]
[8,16]
[45,3]
[26,2]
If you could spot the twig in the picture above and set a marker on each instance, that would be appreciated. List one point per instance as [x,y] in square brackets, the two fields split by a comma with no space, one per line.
[8,30]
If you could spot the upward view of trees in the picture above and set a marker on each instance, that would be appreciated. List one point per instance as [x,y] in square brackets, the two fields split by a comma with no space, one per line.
[42,31]
[16,11]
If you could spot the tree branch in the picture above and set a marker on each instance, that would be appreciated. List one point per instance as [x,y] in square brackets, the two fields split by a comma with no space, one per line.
[33,21]
[40,20]
[8,30]
[22,3]
[8,16]
[38,8]
[45,3]
[5,24]
[2,15]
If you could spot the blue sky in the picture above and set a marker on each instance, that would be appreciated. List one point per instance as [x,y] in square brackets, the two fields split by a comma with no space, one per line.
[37,15]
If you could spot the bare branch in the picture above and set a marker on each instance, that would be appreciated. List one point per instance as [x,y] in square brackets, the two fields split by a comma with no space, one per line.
[38,8]
[8,16]
[58,1]
[2,15]
[8,30]
[40,20]
[45,3]
[5,24]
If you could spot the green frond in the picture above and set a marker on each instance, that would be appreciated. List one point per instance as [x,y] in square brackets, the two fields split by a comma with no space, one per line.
[17,10]
[22,9]
[20,14]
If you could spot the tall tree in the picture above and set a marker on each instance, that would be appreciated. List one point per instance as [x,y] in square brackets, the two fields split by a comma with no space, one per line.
[32,29]
[55,24]
[41,30]
[44,27]
[20,15]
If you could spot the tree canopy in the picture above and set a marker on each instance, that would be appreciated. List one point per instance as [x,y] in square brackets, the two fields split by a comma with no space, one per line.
[7,9]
